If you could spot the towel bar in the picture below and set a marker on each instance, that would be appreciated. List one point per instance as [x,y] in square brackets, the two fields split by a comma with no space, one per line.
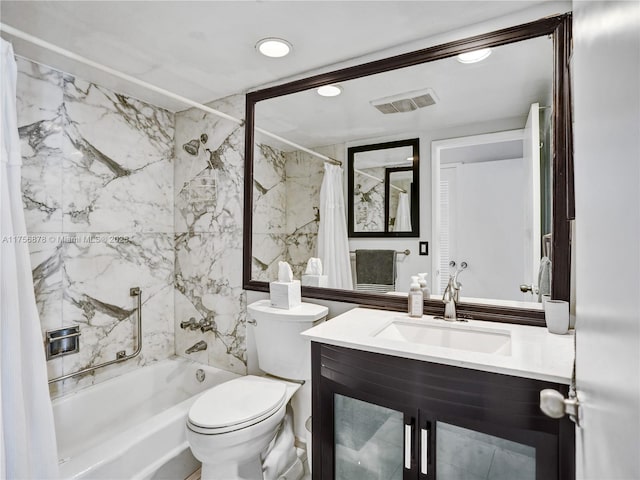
[406,252]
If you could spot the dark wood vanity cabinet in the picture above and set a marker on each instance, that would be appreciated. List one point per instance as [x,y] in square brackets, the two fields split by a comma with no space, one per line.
[382,417]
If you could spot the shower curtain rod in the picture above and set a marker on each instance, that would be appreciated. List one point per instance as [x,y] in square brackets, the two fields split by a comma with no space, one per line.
[116,73]
[327,159]
[379,180]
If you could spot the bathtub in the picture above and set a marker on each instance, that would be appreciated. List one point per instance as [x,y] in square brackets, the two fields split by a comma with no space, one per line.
[132,426]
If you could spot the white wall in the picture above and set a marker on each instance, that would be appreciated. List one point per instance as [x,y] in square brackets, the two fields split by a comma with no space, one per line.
[606,76]
[490,228]
[415,263]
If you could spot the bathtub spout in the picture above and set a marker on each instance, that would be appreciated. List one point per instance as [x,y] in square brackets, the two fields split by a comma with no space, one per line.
[201,345]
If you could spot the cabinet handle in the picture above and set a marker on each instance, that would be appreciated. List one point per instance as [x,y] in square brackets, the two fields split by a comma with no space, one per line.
[408,433]
[424,451]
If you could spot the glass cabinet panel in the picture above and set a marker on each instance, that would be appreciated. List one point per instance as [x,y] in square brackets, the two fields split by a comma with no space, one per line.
[463,454]
[368,440]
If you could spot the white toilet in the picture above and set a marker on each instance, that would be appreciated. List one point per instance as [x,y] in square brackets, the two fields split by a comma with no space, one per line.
[230,427]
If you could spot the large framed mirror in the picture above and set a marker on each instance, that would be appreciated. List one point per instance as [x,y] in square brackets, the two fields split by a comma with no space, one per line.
[383,184]
[495,143]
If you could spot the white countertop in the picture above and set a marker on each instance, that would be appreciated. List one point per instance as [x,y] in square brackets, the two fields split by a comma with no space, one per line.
[535,353]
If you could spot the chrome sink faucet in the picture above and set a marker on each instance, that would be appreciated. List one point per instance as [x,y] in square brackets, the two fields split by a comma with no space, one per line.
[451,295]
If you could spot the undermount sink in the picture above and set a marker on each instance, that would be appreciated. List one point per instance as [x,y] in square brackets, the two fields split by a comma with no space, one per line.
[455,336]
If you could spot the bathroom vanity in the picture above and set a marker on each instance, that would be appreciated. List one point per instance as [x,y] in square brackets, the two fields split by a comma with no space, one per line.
[402,398]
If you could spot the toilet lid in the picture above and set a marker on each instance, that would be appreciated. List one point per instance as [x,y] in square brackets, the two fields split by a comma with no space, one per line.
[237,402]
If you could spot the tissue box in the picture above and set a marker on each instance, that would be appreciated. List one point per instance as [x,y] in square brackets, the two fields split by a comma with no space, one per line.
[315,280]
[285,294]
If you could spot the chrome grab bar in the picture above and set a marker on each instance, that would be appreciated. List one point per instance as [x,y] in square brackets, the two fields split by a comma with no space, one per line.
[121,356]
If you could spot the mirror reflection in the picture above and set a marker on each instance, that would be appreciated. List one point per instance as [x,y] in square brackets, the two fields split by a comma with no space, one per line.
[382,193]
[399,185]
[484,178]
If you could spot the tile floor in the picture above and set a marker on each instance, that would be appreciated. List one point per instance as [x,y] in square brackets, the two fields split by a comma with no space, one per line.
[196,476]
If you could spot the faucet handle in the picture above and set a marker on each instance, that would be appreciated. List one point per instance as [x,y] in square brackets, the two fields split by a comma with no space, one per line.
[188,323]
[207,325]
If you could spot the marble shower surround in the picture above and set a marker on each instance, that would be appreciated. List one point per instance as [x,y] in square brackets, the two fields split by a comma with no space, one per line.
[304,174]
[368,201]
[208,234]
[97,182]
[269,211]
[286,208]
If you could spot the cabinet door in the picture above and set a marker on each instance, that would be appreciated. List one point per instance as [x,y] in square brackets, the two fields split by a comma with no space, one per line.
[467,450]
[372,441]
[452,423]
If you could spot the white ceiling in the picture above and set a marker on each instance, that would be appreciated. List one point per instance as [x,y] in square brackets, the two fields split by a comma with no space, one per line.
[500,88]
[205,50]
[387,157]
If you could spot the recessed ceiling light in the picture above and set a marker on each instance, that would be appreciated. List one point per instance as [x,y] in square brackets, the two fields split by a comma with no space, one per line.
[274,47]
[329,90]
[475,56]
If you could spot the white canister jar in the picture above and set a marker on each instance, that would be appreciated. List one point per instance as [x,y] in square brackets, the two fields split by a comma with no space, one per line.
[556,315]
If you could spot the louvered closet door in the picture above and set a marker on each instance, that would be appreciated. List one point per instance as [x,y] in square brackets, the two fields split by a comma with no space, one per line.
[447,234]
[481,223]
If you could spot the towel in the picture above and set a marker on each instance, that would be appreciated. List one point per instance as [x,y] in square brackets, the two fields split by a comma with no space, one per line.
[544,278]
[376,270]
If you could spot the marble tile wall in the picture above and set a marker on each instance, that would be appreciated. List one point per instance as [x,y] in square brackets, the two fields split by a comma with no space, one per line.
[369,201]
[270,211]
[304,175]
[119,193]
[98,193]
[209,173]
[286,214]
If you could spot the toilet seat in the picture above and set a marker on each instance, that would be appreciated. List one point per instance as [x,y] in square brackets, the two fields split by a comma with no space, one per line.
[236,404]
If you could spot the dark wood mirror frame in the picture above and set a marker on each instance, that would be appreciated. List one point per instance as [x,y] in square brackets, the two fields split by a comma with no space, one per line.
[415,200]
[559,27]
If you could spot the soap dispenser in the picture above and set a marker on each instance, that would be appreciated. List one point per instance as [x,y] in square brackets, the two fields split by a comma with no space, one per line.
[422,280]
[415,298]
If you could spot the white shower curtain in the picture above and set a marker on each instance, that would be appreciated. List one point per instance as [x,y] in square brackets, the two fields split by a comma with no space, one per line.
[403,214]
[333,243]
[28,443]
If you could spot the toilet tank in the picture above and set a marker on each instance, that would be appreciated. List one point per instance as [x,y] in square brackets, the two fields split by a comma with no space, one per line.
[282,351]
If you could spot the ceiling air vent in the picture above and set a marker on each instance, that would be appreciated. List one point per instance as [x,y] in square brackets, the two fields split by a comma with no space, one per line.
[406,102]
